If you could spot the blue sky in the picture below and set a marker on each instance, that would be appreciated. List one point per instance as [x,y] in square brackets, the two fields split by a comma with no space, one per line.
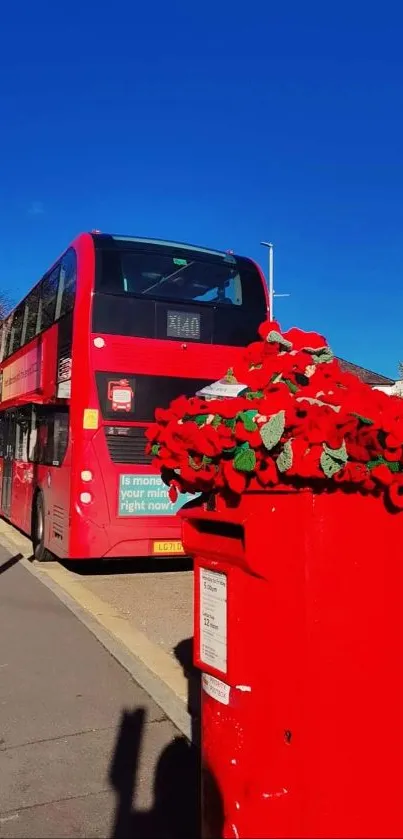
[220,124]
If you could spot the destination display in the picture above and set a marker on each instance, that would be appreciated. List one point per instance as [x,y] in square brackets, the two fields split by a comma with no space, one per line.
[184,325]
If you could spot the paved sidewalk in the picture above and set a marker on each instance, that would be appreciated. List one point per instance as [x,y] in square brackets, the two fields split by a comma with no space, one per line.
[84,751]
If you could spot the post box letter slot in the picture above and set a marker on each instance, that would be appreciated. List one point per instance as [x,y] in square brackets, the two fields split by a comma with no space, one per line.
[218,538]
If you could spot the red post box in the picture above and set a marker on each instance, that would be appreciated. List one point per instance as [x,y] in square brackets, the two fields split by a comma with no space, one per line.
[299,636]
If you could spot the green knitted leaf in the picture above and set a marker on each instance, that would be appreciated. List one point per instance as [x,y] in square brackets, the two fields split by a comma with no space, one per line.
[254,394]
[322,356]
[229,377]
[378,461]
[285,458]
[200,419]
[247,418]
[216,421]
[393,465]
[329,465]
[276,338]
[317,350]
[337,454]
[291,386]
[206,460]
[230,422]
[245,459]
[155,449]
[272,430]
[364,420]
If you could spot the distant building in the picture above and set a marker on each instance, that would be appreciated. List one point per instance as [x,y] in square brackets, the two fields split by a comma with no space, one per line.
[375,380]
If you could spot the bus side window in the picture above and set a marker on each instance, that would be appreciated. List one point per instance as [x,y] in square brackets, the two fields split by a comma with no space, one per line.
[6,336]
[60,436]
[1,435]
[32,306]
[67,285]
[47,307]
[16,329]
[21,437]
[49,436]
[39,436]
[24,324]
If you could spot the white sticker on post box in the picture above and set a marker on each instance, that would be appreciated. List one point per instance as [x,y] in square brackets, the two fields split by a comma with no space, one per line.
[216,688]
[213,619]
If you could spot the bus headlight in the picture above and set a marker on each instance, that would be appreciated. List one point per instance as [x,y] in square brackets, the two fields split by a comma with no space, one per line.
[86,498]
[86,476]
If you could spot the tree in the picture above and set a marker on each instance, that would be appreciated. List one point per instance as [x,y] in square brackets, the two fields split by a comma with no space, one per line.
[5,305]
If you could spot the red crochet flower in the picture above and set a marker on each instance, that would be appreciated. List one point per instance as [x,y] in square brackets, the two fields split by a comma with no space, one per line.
[395,492]
[382,474]
[301,340]
[301,417]
[236,480]
[267,473]
[268,326]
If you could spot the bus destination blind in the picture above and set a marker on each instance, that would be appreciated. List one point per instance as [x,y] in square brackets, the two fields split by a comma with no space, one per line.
[185,325]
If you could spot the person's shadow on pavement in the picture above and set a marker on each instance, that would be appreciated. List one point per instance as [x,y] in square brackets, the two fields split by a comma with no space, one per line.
[176,811]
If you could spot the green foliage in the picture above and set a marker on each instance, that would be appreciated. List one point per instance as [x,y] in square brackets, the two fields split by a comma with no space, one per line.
[272,430]
[247,418]
[285,458]
[245,459]
[275,338]
[229,377]
[291,386]
[393,465]
[254,394]
[329,465]
[332,460]
[322,355]
[337,454]
[363,420]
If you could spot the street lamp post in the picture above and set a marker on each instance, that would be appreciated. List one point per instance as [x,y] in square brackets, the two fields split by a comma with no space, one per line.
[272,293]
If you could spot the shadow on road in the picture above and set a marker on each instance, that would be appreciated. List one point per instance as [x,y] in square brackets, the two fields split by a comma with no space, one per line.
[176,810]
[138,565]
[10,562]
[184,654]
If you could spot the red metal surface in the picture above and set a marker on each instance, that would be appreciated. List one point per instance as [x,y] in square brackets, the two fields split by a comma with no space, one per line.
[310,742]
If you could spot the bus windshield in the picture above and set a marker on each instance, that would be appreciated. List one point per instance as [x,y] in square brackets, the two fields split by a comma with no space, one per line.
[160,276]
[176,292]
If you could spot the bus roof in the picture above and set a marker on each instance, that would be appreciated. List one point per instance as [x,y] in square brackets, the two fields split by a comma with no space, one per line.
[140,240]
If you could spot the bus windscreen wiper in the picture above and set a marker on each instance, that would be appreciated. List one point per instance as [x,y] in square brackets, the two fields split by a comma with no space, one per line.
[168,277]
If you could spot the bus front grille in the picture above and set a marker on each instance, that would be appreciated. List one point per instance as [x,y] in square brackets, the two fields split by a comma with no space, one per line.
[126,444]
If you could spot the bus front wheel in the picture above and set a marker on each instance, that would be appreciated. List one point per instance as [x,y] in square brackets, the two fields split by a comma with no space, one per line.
[38,531]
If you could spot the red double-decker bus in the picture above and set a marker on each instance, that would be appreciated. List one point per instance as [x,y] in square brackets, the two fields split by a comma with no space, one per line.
[118,326]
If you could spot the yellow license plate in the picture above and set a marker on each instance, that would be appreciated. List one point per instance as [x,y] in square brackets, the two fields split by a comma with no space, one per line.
[168,548]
